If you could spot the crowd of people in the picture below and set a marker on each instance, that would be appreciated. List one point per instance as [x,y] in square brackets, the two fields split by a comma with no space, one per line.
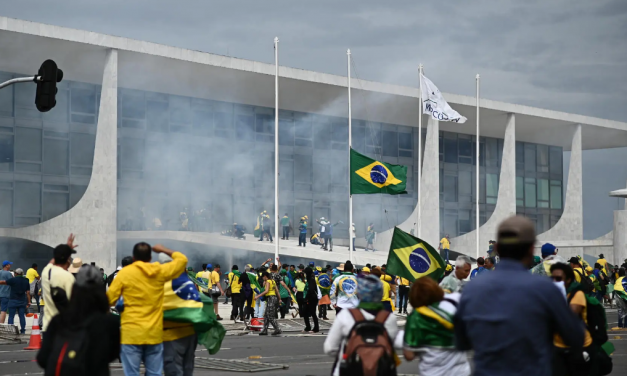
[517,314]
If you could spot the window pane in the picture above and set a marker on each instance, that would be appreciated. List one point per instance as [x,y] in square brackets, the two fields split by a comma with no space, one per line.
[520,190]
[303,128]
[6,152]
[180,111]
[223,120]
[321,135]
[530,193]
[245,127]
[340,131]
[55,203]
[157,116]
[450,188]
[202,122]
[450,150]
[132,157]
[56,156]
[530,158]
[27,199]
[556,194]
[83,101]
[543,158]
[133,106]
[390,143]
[28,144]
[405,141]
[556,160]
[492,188]
[465,186]
[265,124]
[286,132]
[6,208]
[491,152]
[543,190]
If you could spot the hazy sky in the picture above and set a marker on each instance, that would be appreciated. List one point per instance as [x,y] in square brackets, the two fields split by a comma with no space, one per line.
[566,55]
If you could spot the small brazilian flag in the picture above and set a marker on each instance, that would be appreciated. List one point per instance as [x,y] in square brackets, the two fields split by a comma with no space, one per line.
[371,176]
[413,258]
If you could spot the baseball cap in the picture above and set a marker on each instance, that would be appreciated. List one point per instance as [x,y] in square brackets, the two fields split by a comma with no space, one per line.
[63,252]
[573,260]
[548,249]
[516,230]
[6,262]
[19,271]
[365,269]
[301,266]
[209,266]
[589,269]
[311,263]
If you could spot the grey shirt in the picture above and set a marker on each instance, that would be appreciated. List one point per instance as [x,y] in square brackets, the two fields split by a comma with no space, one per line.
[5,291]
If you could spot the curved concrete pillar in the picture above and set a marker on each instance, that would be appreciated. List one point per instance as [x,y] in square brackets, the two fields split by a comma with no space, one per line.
[93,219]
[430,200]
[570,225]
[620,235]
[506,201]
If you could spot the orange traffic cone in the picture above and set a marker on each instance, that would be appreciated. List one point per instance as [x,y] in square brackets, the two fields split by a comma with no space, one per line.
[35,336]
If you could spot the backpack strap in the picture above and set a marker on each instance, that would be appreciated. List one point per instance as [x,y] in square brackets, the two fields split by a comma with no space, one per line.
[357,315]
[453,302]
[381,317]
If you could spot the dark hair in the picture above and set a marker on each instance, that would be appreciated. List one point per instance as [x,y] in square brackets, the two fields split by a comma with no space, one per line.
[285,266]
[265,274]
[292,266]
[204,266]
[348,266]
[308,273]
[368,266]
[301,276]
[491,259]
[234,267]
[480,261]
[101,269]
[126,261]
[85,301]
[62,254]
[216,266]
[424,292]
[621,272]
[274,268]
[34,266]
[376,271]
[513,251]
[597,265]
[567,269]
[142,252]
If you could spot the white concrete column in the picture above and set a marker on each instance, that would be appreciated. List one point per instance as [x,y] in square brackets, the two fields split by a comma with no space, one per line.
[620,235]
[93,219]
[430,186]
[570,225]
[506,200]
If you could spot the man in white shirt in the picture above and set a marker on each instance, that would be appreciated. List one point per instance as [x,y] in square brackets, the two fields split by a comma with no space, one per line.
[455,281]
[55,275]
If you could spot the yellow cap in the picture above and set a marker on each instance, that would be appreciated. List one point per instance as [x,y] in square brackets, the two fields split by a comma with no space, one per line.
[449,267]
[365,269]
[589,269]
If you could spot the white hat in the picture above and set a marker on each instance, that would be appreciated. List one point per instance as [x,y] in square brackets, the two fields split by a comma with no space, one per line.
[76,265]
[19,271]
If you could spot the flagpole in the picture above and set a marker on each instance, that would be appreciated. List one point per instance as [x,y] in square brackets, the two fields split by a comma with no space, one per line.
[477,179]
[276,149]
[350,145]
[418,223]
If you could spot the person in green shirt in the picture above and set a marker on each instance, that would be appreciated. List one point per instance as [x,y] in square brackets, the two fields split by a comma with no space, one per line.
[285,223]
[284,293]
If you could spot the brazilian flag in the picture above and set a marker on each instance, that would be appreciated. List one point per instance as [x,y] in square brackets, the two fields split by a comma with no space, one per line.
[257,232]
[183,304]
[371,176]
[413,258]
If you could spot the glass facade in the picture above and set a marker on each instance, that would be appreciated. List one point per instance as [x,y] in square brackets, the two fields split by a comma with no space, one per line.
[180,154]
[45,158]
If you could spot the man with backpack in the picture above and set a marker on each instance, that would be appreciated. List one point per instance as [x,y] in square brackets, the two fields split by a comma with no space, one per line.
[362,338]
[575,360]
[587,286]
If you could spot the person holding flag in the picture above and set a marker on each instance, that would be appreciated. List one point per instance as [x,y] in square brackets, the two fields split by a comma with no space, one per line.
[324,284]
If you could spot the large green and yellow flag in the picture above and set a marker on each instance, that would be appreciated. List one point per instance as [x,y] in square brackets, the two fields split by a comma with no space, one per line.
[183,304]
[371,176]
[413,258]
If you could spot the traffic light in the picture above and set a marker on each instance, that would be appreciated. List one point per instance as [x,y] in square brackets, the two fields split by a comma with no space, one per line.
[46,81]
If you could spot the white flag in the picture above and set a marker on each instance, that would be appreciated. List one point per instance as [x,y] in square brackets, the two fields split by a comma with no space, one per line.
[433,103]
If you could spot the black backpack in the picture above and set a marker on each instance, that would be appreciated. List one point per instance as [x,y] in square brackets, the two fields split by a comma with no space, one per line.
[596,320]
[68,356]
[369,351]
[587,286]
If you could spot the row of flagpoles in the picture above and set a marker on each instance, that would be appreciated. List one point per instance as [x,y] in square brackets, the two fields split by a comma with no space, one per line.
[430,102]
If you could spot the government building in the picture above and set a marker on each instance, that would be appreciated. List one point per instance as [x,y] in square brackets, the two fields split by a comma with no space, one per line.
[161,144]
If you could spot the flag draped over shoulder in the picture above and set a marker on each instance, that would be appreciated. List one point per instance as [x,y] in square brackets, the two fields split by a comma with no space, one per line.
[371,176]
[413,258]
[183,303]
[324,283]
[254,284]
[434,103]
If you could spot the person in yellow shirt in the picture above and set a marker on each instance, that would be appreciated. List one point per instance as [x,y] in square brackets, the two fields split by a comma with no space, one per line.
[386,299]
[141,284]
[214,288]
[403,294]
[577,269]
[33,278]
[603,262]
[445,245]
[271,292]
[565,362]
[237,312]
[41,314]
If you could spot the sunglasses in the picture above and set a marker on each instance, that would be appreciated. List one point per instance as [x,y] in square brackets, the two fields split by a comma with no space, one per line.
[557,279]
